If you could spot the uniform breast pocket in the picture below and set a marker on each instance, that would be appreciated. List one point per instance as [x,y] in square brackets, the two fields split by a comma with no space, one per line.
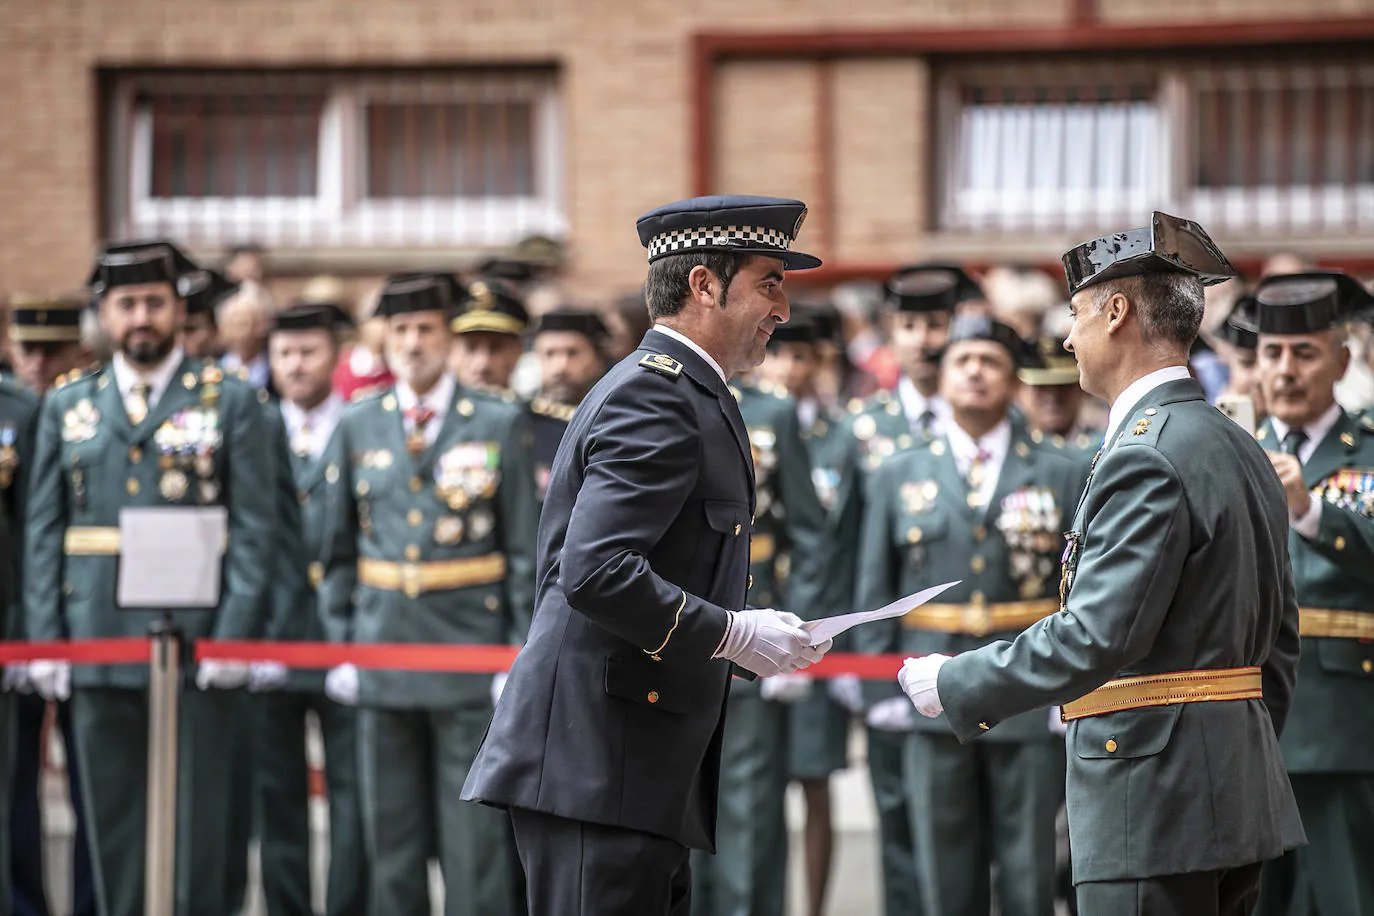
[723,557]
[914,534]
[649,684]
[1125,735]
[82,466]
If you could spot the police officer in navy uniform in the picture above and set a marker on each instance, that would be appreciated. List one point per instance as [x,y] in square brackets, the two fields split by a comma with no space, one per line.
[605,746]
[570,348]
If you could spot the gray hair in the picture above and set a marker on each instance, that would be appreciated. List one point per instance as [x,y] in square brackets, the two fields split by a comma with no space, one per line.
[1169,306]
[666,288]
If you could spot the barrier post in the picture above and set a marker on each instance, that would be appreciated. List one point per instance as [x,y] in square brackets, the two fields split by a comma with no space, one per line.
[164,688]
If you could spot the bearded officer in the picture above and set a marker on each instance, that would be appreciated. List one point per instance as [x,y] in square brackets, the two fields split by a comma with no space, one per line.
[986,503]
[1177,680]
[570,348]
[1325,459]
[433,521]
[154,429]
[606,744]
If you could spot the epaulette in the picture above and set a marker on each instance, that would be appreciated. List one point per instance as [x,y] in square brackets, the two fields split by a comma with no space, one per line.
[366,391]
[76,375]
[546,408]
[1144,430]
[1367,423]
[662,364]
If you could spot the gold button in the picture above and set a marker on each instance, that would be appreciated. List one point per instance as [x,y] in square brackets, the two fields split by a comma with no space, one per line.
[415,517]
[980,533]
[363,487]
[135,455]
[132,486]
[416,484]
[412,552]
[1367,666]
[984,726]
[1111,745]
[1340,542]
[977,599]
[331,474]
[913,535]
[493,603]
[978,564]
[465,407]
[737,530]
[1150,411]
[653,696]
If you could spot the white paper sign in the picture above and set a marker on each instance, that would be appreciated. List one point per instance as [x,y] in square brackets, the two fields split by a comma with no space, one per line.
[170,557]
[830,627]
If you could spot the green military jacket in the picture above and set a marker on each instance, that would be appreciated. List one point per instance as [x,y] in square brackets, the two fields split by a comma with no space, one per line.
[1177,561]
[920,530]
[787,547]
[202,444]
[881,427]
[463,509]
[18,416]
[835,471]
[1333,709]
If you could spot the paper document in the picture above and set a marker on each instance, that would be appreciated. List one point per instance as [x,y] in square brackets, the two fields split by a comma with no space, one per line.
[171,557]
[830,627]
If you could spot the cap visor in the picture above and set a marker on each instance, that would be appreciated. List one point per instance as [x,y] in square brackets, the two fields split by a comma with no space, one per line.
[791,260]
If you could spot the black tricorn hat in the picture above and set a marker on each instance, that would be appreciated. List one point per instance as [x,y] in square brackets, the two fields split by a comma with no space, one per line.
[1308,302]
[929,288]
[204,289]
[494,306]
[734,223]
[421,291]
[128,263]
[1167,245]
[981,327]
[311,316]
[1239,329]
[802,327]
[578,321]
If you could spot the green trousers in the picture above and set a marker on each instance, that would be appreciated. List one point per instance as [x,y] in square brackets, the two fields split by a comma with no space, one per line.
[110,726]
[282,805]
[983,804]
[7,725]
[241,826]
[1334,874]
[413,765]
[901,880]
[747,876]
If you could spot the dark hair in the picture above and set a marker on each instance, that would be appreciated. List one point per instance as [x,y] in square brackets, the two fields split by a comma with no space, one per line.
[1168,305]
[666,288]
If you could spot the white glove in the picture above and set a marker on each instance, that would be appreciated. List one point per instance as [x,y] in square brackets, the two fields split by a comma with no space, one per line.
[847,690]
[785,688]
[917,678]
[16,679]
[769,642]
[498,686]
[52,680]
[222,675]
[891,715]
[341,685]
[1057,725]
[264,676]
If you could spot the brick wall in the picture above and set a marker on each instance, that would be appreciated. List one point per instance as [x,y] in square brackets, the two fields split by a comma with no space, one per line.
[626,68]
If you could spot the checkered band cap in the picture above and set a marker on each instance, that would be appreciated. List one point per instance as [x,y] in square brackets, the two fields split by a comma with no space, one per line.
[717,238]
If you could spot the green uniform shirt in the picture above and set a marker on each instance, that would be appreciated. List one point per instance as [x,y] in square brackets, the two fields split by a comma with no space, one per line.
[18,415]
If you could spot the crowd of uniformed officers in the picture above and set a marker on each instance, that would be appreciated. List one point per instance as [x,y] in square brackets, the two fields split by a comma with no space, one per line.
[383,485]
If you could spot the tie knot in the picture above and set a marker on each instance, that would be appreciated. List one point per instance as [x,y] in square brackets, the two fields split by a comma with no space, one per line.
[420,414]
[1293,441]
[142,389]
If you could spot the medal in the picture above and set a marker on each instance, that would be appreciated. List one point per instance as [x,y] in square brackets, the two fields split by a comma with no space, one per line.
[448,530]
[480,523]
[208,490]
[205,464]
[173,485]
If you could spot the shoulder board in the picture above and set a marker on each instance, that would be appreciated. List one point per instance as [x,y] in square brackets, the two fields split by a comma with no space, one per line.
[1143,427]
[365,391]
[76,375]
[546,408]
[1367,423]
[663,365]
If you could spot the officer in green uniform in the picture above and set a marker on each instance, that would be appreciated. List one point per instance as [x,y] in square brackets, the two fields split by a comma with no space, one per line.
[986,504]
[1052,401]
[154,429]
[433,523]
[302,350]
[748,872]
[204,290]
[1325,459]
[819,728]
[1238,345]
[18,415]
[487,340]
[570,348]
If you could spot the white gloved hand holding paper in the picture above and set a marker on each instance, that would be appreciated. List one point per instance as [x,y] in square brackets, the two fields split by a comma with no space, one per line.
[891,715]
[222,675]
[52,680]
[265,676]
[341,684]
[918,677]
[769,642]
[785,688]
[498,686]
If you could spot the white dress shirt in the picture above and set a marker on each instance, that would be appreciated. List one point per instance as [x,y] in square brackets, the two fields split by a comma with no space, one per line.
[1128,400]
[1310,524]
[320,421]
[158,379]
[696,347]
[257,370]
[439,399]
[994,444]
[914,404]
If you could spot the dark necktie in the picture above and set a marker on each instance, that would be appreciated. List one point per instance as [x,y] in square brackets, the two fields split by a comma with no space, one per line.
[1293,442]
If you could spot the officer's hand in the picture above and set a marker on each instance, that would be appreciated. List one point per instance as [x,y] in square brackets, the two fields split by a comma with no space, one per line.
[498,686]
[786,688]
[1289,469]
[264,676]
[891,715]
[769,642]
[16,679]
[52,680]
[222,675]
[341,685]
[917,677]
[847,690]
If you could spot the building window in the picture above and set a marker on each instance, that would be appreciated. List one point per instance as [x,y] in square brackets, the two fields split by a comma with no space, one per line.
[319,161]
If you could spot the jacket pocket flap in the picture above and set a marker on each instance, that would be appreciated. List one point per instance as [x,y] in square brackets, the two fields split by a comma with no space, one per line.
[1348,657]
[647,683]
[1127,734]
[727,517]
